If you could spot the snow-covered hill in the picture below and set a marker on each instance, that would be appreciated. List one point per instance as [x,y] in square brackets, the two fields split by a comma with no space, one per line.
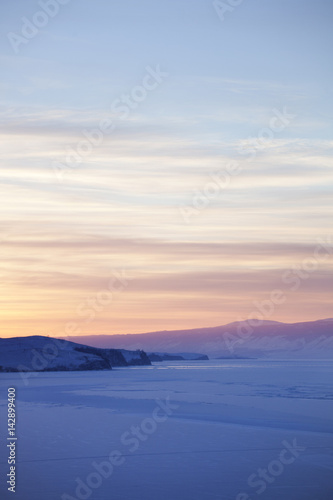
[38,353]
[268,339]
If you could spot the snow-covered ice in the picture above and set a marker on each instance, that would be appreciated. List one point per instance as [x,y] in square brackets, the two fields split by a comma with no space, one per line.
[206,428]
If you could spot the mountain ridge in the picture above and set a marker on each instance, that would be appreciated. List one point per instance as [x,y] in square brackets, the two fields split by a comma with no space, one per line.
[249,338]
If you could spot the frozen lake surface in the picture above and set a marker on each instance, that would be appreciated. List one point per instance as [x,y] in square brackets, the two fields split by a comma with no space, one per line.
[205,430]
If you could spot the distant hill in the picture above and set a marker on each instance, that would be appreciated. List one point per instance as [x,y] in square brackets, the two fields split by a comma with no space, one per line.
[39,353]
[268,339]
[164,356]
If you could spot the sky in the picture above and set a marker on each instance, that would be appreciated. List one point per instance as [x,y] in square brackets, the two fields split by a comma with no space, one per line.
[164,165]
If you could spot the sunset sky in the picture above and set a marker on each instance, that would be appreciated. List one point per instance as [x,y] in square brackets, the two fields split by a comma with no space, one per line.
[211,188]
